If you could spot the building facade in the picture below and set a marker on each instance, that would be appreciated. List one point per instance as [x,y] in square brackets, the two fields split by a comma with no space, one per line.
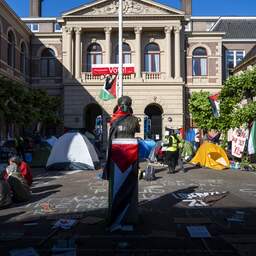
[174,54]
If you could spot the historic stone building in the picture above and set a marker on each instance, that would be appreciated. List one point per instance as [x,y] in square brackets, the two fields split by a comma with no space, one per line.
[174,54]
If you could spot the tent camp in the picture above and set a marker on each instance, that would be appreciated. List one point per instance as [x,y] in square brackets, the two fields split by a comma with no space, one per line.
[212,156]
[145,147]
[73,151]
[51,141]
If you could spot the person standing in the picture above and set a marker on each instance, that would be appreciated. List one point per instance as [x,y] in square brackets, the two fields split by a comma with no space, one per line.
[171,143]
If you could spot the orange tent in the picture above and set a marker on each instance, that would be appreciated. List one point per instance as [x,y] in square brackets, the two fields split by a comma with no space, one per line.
[212,156]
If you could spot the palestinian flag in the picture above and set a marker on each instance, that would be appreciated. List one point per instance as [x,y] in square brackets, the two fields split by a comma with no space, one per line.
[108,92]
[123,184]
[252,140]
[215,104]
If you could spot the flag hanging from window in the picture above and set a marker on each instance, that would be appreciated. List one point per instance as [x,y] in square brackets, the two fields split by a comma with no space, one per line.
[214,99]
[108,92]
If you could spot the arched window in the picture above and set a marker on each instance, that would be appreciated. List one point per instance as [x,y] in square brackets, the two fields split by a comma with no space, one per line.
[48,63]
[11,49]
[199,62]
[23,54]
[94,56]
[152,58]
[126,54]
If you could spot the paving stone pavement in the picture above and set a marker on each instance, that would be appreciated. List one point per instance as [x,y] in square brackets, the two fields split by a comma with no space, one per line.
[167,206]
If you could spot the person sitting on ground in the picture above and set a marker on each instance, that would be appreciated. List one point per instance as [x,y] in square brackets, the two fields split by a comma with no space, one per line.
[20,188]
[5,191]
[24,169]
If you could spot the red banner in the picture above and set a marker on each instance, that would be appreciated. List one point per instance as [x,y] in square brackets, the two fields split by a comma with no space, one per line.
[111,69]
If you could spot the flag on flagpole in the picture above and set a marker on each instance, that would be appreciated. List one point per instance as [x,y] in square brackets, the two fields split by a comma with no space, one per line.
[108,91]
[252,140]
[215,104]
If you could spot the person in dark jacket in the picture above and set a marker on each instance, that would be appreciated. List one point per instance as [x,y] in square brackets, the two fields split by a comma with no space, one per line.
[5,191]
[171,142]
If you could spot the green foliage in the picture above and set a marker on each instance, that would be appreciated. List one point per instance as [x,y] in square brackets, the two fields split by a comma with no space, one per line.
[200,107]
[235,89]
[22,105]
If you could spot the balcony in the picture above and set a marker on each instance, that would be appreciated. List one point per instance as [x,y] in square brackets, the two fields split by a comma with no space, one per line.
[149,76]
[88,77]
[200,80]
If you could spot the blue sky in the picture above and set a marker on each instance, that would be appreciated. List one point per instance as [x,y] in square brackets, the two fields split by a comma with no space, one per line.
[200,7]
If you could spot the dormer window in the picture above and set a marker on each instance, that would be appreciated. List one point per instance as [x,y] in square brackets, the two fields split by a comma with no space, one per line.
[34,27]
[57,27]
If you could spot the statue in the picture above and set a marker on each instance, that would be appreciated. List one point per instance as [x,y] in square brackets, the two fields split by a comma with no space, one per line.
[122,166]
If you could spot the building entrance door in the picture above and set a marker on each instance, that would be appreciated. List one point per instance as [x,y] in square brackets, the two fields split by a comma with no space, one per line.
[93,121]
[153,121]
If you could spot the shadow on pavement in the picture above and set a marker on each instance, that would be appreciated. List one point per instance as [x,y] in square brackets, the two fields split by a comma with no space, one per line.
[162,230]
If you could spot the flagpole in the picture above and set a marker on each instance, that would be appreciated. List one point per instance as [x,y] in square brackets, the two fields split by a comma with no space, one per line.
[120,50]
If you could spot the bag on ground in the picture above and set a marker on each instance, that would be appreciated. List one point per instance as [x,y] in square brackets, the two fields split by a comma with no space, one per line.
[149,173]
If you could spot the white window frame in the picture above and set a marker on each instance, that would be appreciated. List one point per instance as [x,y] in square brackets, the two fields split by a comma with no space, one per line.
[31,26]
[55,29]
[234,58]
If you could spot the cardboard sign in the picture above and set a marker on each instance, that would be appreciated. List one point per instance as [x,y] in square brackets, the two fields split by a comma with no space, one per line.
[238,142]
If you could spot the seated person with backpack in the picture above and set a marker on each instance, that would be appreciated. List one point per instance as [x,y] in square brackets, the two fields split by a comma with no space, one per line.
[19,186]
[23,167]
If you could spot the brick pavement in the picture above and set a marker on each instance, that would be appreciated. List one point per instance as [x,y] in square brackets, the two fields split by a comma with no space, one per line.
[166,205]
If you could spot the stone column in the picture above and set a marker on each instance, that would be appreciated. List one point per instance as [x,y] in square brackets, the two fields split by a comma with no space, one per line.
[138,31]
[108,43]
[69,50]
[168,31]
[78,53]
[177,51]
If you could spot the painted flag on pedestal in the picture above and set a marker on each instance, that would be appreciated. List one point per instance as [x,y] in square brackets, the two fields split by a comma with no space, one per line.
[108,92]
[123,186]
[252,140]
[215,104]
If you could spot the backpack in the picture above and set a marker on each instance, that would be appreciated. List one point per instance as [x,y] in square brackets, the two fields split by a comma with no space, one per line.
[149,174]
[20,188]
[5,194]
[170,141]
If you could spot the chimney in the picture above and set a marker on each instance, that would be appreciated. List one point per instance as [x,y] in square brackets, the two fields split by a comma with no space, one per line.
[35,8]
[186,6]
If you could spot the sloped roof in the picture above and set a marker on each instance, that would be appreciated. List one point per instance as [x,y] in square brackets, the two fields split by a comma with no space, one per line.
[241,28]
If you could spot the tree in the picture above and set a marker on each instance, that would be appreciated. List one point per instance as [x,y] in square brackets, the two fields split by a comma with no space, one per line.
[23,106]
[232,113]
[201,110]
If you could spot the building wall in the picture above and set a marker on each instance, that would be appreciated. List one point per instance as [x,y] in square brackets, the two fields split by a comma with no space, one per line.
[170,98]
[171,94]
[202,25]
[53,85]
[10,22]
[213,46]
